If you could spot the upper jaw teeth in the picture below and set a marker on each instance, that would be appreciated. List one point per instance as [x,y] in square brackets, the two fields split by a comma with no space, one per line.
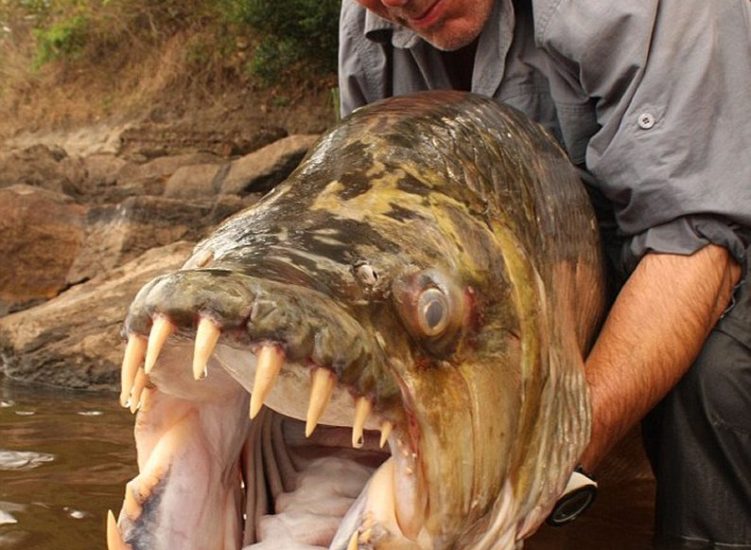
[269,362]
[276,383]
[320,394]
[161,329]
[141,355]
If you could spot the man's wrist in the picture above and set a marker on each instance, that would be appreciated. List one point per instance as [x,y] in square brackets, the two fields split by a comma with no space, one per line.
[579,494]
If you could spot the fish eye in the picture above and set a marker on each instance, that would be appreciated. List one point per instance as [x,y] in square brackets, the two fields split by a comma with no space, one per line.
[432,312]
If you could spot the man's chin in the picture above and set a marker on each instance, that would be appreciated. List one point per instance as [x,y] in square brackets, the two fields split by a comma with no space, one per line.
[449,42]
[450,35]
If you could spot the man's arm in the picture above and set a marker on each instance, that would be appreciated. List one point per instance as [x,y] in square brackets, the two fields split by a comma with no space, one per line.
[653,332]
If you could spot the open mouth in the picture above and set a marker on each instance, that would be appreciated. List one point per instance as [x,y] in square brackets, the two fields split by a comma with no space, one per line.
[416,344]
[321,465]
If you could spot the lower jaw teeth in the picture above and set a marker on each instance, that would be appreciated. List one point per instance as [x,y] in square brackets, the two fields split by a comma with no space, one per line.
[375,518]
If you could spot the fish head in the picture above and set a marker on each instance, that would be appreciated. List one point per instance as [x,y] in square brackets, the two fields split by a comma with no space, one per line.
[382,287]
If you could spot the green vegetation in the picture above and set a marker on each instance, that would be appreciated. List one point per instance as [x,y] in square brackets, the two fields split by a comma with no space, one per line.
[290,32]
[64,39]
[266,39]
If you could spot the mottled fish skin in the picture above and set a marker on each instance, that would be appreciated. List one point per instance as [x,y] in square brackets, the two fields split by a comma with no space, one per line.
[442,192]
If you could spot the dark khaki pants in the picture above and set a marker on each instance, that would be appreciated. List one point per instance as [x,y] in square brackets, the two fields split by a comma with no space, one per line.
[699,442]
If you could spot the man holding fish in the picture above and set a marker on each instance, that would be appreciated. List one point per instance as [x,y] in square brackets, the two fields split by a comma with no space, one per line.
[650,101]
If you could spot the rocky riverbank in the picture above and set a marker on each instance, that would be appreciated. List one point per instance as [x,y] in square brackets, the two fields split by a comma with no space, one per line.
[87,218]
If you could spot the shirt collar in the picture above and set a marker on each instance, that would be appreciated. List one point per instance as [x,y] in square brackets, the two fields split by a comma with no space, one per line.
[492,48]
[381,30]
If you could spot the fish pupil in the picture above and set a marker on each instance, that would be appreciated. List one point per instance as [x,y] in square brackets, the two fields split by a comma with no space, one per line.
[434,313]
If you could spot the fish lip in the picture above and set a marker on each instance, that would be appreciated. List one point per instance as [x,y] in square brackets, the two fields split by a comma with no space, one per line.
[309,325]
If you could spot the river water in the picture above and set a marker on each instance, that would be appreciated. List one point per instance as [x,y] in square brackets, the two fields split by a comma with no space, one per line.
[65,458]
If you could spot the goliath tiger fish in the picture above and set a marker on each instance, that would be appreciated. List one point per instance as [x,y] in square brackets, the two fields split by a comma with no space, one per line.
[385,352]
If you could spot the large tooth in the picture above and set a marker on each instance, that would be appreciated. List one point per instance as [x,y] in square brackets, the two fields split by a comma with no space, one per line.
[386,428]
[363,407]
[207,335]
[160,331]
[135,395]
[147,398]
[114,537]
[269,362]
[131,507]
[365,537]
[320,394]
[354,544]
[134,354]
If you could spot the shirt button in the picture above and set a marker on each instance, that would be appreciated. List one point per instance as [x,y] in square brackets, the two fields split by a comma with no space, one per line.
[646,121]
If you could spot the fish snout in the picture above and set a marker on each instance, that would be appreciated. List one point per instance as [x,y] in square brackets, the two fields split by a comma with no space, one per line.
[272,323]
[279,342]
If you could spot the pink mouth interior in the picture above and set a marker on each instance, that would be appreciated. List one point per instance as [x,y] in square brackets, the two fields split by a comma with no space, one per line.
[211,478]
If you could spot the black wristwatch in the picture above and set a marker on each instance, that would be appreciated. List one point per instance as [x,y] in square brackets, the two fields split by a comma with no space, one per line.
[579,494]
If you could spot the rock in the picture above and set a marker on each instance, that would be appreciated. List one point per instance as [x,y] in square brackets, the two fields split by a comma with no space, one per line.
[117,234]
[198,182]
[74,341]
[96,182]
[155,139]
[102,170]
[261,170]
[247,143]
[107,179]
[42,233]
[86,258]
[101,138]
[226,205]
[160,169]
[75,173]
[47,167]
[163,167]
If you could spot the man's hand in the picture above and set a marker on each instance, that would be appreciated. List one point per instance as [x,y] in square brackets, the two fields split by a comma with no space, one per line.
[652,334]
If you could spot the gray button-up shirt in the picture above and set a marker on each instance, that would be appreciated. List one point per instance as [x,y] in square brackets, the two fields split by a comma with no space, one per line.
[652,98]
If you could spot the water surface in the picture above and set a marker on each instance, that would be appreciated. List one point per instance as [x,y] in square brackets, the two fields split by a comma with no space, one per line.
[64,460]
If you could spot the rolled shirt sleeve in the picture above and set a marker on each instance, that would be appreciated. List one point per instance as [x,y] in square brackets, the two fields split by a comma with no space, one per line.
[670,81]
